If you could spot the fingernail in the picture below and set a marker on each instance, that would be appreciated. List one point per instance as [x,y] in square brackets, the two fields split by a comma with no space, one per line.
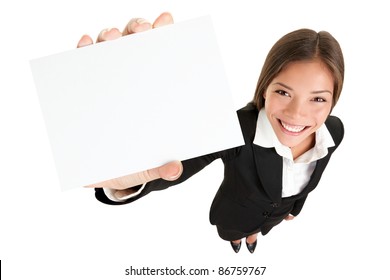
[142,25]
[103,33]
[84,41]
[110,34]
[178,173]
[174,177]
[141,20]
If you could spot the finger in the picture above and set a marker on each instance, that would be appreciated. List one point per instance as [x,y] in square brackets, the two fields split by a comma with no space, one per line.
[164,19]
[85,41]
[289,218]
[119,194]
[108,34]
[136,25]
[170,171]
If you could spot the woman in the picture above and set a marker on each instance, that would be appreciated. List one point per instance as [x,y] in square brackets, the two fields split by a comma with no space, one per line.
[289,138]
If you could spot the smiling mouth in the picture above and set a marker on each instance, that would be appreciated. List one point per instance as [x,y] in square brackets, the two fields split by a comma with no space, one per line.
[292,128]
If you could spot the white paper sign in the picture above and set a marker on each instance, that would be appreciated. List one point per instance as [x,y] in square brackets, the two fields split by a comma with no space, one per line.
[124,106]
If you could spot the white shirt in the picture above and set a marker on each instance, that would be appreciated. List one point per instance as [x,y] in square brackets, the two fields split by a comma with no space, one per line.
[296,174]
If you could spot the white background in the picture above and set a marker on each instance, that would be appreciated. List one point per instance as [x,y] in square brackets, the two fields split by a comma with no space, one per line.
[342,232]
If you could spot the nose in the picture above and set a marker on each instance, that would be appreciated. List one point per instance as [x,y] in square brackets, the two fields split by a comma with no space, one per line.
[296,109]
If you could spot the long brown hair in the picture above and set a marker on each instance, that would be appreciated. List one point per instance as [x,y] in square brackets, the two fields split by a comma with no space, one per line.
[299,45]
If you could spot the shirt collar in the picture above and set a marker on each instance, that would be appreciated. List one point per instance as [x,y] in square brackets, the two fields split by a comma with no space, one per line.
[266,138]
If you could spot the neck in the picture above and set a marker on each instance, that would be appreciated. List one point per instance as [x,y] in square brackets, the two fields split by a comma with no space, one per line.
[304,146]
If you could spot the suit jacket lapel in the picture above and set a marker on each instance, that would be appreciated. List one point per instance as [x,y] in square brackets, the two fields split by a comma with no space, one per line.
[317,173]
[268,163]
[269,167]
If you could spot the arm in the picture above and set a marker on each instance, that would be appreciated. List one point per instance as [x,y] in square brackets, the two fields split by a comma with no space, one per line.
[190,168]
[296,209]
[298,206]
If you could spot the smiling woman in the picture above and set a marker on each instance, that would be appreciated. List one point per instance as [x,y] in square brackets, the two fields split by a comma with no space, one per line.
[303,45]
[289,138]
[297,103]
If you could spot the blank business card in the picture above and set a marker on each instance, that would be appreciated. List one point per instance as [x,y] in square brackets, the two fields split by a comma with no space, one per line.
[124,106]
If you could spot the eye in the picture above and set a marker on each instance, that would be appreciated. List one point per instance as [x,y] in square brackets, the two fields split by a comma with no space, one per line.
[282,92]
[319,99]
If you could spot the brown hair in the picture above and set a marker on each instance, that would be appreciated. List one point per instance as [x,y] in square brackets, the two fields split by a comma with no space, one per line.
[299,45]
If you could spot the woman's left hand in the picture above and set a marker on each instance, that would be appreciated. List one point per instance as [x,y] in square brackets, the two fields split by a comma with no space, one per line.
[289,217]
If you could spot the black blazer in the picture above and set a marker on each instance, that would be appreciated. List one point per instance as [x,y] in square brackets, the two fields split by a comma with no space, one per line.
[250,197]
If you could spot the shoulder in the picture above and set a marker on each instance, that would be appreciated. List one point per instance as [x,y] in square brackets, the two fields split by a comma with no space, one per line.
[336,128]
[248,118]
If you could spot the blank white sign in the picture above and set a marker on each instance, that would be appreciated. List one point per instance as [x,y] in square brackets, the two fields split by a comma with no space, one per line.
[124,106]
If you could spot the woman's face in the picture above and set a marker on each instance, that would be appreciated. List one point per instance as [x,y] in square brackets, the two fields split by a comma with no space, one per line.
[298,101]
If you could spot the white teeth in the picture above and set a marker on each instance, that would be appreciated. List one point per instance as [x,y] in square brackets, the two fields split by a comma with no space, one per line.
[293,128]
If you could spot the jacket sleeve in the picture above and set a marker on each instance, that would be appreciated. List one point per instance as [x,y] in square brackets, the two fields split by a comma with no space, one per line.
[298,206]
[190,168]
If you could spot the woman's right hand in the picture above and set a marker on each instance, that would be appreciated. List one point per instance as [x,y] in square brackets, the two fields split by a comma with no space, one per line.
[135,25]
[170,171]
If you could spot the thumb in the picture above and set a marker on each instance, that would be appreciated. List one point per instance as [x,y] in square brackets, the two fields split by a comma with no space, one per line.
[170,172]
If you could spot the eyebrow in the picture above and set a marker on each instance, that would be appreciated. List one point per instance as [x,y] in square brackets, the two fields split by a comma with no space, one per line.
[314,92]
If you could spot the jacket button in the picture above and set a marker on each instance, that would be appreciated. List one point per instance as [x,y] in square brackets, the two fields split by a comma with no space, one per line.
[275,204]
[266,214]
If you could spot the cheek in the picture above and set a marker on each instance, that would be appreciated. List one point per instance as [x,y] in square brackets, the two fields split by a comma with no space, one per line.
[275,104]
[321,115]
